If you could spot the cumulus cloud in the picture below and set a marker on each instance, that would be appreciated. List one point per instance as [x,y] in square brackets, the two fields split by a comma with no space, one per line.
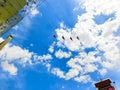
[98,47]
[10,53]
[34,12]
[44,57]
[102,71]
[9,68]
[79,65]
[83,79]
[71,74]
[51,48]
[14,54]
[58,72]
[61,54]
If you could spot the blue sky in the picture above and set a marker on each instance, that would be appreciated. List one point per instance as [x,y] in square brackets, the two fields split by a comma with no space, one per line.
[35,60]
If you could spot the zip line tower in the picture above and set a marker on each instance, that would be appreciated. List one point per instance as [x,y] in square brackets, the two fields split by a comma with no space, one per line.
[104,85]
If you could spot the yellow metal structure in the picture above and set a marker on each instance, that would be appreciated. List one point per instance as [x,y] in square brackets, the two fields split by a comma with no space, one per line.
[8,8]
[2,44]
[12,12]
[10,16]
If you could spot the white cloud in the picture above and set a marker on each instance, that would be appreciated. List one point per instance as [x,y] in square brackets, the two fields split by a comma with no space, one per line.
[90,68]
[58,72]
[83,79]
[51,48]
[61,54]
[79,66]
[103,71]
[16,27]
[106,55]
[42,58]
[72,73]
[9,67]
[62,87]
[67,34]
[11,53]
[105,7]
[34,12]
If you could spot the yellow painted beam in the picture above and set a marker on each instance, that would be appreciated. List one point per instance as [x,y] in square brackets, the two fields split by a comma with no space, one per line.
[10,8]
[15,4]
[2,44]
[4,15]
[22,2]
